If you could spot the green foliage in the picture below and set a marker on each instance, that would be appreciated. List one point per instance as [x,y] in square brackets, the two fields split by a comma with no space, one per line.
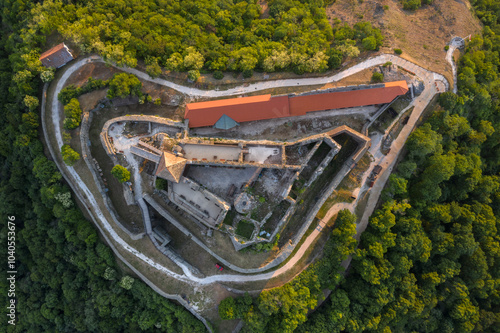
[377,77]
[126,282]
[245,229]
[411,4]
[428,260]
[157,101]
[47,75]
[70,92]
[369,43]
[152,67]
[161,184]
[123,85]
[218,75]
[247,73]
[73,114]
[446,47]
[283,309]
[121,173]
[398,51]
[227,308]
[387,64]
[61,263]
[193,75]
[69,156]
[215,36]
[31,102]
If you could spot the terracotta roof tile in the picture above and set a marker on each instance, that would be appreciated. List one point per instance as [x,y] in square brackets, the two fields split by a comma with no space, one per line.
[239,109]
[300,105]
[171,167]
[264,107]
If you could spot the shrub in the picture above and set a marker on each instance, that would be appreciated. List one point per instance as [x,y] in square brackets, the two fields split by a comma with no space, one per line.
[218,75]
[245,229]
[68,93]
[161,184]
[126,282]
[411,4]
[227,308]
[157,101]
[386,7]
[335,58]
[123,85]
[31,102]
[447,47]
[73,114]
[377,77]
[193,75]
[247,73]
[369,43]
[120,173]
[70,157]
[387,64]
[47,74]
[398,51]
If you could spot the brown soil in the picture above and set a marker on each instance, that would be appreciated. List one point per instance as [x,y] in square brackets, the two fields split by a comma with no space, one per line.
[96,70]
[421,34]
[363,77]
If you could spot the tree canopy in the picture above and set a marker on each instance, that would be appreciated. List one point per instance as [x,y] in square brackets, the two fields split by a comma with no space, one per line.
[121,173]
[207,34]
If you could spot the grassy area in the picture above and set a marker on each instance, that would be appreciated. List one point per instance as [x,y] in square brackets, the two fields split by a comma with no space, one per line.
[245,229]
[361,205]
[278,213]
[336,197]
[231,214]
[318,157]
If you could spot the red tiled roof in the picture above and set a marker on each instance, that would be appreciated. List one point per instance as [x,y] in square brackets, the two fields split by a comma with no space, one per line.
[239,109]
[266,107]
[300,105]
[56,56]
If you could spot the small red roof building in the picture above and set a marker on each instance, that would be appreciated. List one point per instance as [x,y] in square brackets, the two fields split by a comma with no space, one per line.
[57,56]
[264,107]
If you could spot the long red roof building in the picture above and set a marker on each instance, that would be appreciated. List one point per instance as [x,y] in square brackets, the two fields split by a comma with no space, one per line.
[264,107]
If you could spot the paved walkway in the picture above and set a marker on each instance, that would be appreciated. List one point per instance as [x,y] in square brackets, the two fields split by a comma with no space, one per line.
[428,77]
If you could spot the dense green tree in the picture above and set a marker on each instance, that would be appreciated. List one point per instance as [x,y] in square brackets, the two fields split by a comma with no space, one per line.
[69,156]
[123,85]
[121,173]
[73,114]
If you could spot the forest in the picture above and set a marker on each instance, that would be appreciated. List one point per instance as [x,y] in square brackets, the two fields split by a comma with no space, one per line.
[429,260]
[207,35]
[67,279]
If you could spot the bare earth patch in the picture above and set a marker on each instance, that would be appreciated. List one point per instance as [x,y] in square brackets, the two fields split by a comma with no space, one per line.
[421,34]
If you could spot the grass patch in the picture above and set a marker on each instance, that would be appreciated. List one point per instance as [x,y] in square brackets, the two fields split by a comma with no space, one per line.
[318,157]
[231,214]
[336,197]
[245,229]
[278,213]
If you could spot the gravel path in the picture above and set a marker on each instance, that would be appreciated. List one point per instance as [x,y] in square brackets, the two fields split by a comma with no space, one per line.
[429,78]
[455,43]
